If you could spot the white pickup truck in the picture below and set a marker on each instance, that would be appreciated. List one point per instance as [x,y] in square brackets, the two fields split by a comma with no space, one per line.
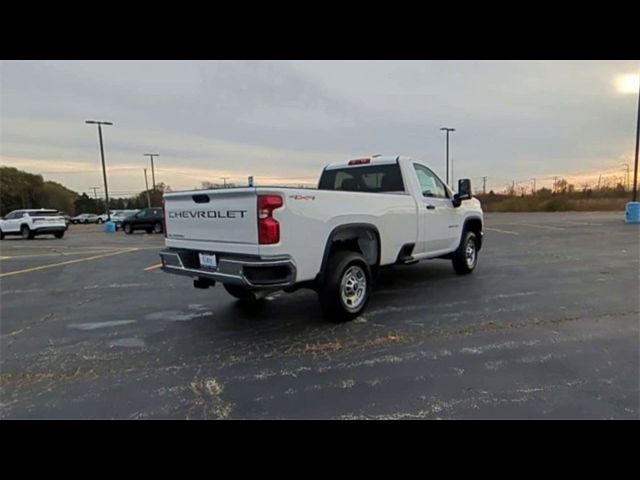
[366,213]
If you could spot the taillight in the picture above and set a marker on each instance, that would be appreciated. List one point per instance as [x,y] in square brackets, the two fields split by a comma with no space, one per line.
[164,219]
[268,227]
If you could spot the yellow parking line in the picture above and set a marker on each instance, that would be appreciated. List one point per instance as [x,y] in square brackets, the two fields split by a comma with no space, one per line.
[60,254]
[153,267]
[68,262]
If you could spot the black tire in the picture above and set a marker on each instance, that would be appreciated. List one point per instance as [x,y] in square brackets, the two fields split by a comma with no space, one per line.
[241,293]
[127,228]
[26,233]
[465,258]
[59,234]
[100,221]
[1,235]
[157,228]
[344,270]
[149,230]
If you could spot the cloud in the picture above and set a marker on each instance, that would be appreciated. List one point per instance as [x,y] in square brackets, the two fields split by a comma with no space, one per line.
[236,118]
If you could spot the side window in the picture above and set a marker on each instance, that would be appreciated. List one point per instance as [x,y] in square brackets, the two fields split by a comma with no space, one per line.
[430,185]
[10,216]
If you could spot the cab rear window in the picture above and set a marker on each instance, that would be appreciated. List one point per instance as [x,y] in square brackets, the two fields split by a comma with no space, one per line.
[373,178]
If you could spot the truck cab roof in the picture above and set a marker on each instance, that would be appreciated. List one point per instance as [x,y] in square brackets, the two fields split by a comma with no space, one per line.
[362,161]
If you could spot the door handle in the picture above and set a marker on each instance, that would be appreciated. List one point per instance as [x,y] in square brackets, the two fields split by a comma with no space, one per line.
[431,207]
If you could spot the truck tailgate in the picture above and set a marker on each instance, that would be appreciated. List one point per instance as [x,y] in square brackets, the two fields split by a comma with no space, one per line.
[213,216]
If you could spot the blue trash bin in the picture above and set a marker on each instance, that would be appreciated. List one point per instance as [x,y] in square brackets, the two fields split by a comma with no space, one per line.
[110,227]
[632,212]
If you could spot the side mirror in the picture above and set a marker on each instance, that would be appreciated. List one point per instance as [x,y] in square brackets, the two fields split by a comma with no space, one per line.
[464,188]
[464,192]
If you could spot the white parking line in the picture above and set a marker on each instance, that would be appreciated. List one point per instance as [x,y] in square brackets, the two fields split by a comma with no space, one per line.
[535,225]
[584,224]
[501,231]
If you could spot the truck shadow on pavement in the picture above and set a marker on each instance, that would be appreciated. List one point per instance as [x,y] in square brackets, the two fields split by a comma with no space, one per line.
[281,310]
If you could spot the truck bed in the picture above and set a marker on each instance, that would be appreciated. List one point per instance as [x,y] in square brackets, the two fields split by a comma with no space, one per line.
[226,220]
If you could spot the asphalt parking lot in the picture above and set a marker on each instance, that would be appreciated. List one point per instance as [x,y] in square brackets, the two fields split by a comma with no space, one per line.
[546,327]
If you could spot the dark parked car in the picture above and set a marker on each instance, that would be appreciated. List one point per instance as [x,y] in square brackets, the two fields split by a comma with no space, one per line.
[147,219]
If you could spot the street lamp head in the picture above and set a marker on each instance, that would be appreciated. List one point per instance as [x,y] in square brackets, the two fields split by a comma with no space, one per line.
[448,129]
[96,122]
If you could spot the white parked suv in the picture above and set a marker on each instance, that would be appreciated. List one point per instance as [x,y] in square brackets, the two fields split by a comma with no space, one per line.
[29,223]
[366,213]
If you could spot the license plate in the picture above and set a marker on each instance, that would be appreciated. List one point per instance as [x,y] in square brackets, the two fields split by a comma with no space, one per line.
[208,261]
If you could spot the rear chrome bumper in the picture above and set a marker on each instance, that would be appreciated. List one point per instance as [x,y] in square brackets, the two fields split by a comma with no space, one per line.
[253,272]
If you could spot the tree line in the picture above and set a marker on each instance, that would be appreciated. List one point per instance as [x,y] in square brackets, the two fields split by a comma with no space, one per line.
[21,190]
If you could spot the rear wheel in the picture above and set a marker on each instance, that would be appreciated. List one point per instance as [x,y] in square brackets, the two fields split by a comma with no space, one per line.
[128,229]
[148,230]
[59,234]
[465,258]
[26,232]
[347,286]
[100,221]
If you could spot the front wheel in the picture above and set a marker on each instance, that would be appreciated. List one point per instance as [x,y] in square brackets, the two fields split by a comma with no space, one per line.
[465,257]
[157,228]
[347,286]
[59,234]
[100,221]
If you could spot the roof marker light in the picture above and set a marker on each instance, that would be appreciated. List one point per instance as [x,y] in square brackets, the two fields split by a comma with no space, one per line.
[359,161]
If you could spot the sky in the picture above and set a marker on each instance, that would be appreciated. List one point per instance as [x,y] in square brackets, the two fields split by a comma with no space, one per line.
[282,121]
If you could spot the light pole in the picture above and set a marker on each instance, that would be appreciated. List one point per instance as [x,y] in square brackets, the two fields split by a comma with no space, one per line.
[224,179]
[104,168]
[635,168]
[95,194]
[632,211]
[446,129]
[627,177]
[153,172]
[146,183]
